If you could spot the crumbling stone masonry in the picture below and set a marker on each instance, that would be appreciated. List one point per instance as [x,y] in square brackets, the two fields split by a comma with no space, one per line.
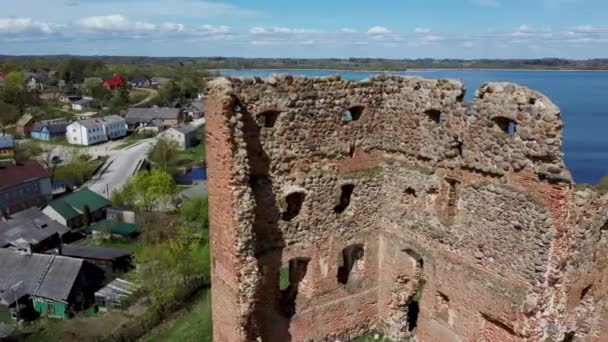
[339,208]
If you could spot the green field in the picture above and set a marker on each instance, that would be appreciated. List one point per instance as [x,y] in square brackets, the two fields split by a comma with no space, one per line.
[191,324]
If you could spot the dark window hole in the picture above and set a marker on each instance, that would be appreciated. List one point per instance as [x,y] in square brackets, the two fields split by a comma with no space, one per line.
[411,192]
[354,113]
[506,125]
[269,118]
[435,116]
[351,150]
[294,205]
[585,292]
[350,255]
[345,196]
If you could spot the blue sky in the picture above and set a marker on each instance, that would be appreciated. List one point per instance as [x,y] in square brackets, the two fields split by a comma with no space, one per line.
[312,28]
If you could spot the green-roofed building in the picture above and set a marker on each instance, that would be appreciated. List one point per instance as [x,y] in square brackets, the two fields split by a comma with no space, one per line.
[70,209]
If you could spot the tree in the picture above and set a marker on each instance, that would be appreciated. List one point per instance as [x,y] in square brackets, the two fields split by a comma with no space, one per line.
[146,190]
[196,210]
[169,92]
[164,155]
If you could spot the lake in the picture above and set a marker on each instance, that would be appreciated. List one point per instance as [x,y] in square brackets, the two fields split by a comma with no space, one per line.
[579,94]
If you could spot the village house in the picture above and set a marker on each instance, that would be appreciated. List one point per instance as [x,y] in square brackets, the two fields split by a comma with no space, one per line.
[116,81]
[82,104]
[141,117]
[70,210]
[69,98]
[96,130]
[184,135]
[23,126]
[52,285]
[49,129]
[35,81]
[140,81]
[32,231]
[195,109]
[7,149]
[115,228]
[23,185]
[113,260]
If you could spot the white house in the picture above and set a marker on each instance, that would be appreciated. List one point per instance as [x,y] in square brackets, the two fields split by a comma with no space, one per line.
[82,104]
[96,130]
[184,135]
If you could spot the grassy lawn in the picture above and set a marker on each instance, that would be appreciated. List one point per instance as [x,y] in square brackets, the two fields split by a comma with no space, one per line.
[192,155]
[191,324]
[138,95]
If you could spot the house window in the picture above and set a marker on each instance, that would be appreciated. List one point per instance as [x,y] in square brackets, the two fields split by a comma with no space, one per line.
[351,262]
[50,307]
[345,197]
[294,205]
[506,125]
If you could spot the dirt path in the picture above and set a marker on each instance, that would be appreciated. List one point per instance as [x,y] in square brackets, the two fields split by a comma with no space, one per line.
[151,95]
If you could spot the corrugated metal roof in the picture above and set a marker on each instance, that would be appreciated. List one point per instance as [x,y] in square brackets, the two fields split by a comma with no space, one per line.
[43,275]
[30,227]
[24,171]
[135,115]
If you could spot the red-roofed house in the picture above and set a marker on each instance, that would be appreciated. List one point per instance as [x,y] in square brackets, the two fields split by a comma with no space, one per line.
[115,82]
[23,185]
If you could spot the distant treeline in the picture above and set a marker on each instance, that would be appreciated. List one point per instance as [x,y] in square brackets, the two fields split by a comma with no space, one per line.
[375,64]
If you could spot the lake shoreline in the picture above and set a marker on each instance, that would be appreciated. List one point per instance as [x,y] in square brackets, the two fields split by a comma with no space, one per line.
[410,70]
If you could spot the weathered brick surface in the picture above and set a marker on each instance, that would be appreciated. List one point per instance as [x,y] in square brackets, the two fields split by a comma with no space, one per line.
[446,197]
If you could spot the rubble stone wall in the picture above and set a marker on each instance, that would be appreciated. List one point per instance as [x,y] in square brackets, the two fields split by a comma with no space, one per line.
[390,205]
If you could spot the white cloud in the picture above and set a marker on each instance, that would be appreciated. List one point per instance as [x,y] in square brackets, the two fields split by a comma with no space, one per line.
[172,27]
[378,30]
[215,29]
[281,30]
[585,28]
[347,30]
[114,22]
[468,44]
[20,25]
[422,30]
[524,28]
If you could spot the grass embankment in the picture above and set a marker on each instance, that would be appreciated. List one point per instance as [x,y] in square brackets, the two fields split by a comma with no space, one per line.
[193,155]
[77,172]
[192,323]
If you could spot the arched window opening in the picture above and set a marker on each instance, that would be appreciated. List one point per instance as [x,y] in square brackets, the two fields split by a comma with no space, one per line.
[352,256]
[294,205]
[506,125]
[345,197]
[354,113]
[290,278]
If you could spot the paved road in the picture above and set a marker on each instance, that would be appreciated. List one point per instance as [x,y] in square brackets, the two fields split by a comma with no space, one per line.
[122,165]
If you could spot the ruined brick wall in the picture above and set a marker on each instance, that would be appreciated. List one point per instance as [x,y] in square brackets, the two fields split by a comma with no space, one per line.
[339,208]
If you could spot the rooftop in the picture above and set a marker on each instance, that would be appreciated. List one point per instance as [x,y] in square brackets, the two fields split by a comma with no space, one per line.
[41,275]
[72,205]
[30,226]
[115,227]
[93,252]
[6,141]
[135,115]
[21,172]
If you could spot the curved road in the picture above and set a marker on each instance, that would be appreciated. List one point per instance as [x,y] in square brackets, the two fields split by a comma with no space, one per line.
[122,165]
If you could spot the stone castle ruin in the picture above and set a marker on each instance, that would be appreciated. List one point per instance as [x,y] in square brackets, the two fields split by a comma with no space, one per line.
[340,209]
